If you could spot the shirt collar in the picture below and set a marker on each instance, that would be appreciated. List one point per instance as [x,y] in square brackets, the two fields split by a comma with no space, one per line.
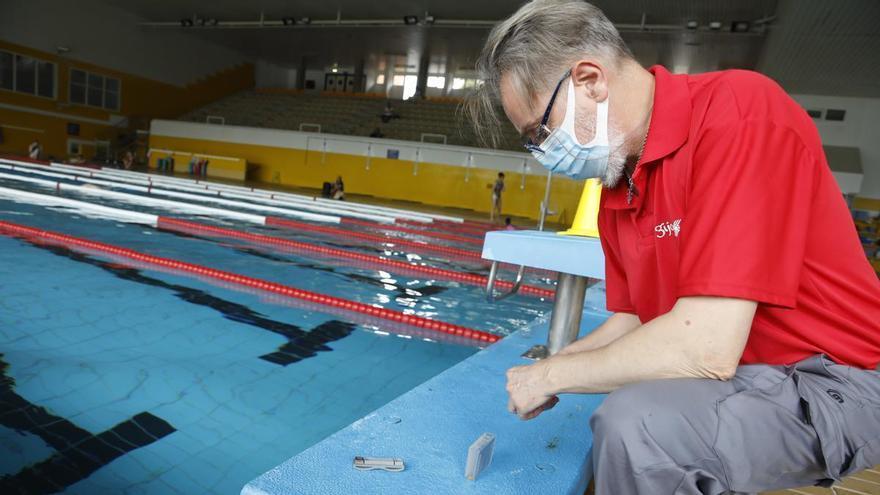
[670,125]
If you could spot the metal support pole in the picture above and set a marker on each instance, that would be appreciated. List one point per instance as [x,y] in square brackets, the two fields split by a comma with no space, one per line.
[565,321]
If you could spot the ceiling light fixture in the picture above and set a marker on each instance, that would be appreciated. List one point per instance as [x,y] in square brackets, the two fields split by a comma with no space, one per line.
[692,24]
[715,25]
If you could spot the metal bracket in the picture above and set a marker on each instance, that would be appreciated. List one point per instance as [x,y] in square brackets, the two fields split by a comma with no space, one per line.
[491,296]
[537,352]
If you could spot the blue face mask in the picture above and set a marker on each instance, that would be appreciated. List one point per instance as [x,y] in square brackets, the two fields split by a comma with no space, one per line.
[561,153]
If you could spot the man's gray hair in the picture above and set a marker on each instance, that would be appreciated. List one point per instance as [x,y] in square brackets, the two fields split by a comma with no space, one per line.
[534,47]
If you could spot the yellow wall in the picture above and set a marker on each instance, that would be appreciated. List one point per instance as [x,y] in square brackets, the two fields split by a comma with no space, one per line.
[867,204]
[433,184]
[221,167]
[141,99]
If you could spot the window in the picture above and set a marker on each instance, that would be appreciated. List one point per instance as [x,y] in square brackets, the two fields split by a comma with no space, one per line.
[27,75]
[466,83]
[94,90]
[398,80]
[46,79]
[380,79]
[6,70]
[409,86]
[111,93]
[102,151]
[438,82]
[835,114]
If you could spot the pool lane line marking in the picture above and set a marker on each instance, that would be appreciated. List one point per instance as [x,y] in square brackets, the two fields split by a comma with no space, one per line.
[14,229]
[393,265]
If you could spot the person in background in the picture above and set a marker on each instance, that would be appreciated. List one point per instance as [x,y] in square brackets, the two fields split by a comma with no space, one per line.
[497,189]
[339,189]
[127,160]
[34,150]
[387,113]
[508,225]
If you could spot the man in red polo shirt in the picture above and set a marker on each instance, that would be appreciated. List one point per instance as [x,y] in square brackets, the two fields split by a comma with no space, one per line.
[745,332]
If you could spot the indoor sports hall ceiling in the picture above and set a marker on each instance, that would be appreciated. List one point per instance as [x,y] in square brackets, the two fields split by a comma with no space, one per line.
[810,46]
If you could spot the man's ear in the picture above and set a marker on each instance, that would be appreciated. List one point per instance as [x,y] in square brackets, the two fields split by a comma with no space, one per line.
[589,76]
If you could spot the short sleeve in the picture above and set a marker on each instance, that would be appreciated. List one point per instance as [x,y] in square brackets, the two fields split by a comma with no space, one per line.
[747,215]
[616,287]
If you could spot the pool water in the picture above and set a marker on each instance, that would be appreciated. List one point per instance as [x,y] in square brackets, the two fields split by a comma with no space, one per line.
[117,378]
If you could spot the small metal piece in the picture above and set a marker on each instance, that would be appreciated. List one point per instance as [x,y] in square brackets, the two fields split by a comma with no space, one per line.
[536,352]
[479,456]
[392,464]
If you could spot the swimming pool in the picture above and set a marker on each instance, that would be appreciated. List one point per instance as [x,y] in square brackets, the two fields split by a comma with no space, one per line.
[120,377]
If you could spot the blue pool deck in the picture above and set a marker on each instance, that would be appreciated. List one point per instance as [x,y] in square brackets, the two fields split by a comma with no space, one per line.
[431,427]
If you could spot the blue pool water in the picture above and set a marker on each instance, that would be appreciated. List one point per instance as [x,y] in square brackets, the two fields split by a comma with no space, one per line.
[119,379]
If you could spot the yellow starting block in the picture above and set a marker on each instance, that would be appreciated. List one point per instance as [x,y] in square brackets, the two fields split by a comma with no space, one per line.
[586,218]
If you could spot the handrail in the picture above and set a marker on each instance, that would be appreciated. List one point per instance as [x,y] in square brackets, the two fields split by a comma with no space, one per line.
[490,283]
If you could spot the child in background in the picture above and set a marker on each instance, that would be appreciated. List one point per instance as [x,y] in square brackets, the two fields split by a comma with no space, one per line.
[497,189]
[34,150]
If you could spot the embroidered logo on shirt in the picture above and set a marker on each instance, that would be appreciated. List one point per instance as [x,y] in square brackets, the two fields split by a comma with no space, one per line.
[668,229]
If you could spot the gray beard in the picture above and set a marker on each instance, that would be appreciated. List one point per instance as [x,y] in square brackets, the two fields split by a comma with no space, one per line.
[616,161]
[614,171]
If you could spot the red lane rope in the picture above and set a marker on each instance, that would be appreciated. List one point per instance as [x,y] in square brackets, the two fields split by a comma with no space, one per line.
[343,233]
[10,228]
[469,278]
[425,233]
[447,227]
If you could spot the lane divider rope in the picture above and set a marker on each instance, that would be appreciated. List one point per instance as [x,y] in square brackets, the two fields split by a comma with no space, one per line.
[189,227]
[14,229]
[342,233]
[425,233]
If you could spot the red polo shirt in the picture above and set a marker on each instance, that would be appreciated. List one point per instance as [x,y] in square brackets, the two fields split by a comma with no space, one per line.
[735,199]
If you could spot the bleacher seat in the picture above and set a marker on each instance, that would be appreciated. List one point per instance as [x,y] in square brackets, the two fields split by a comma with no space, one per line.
[349,115]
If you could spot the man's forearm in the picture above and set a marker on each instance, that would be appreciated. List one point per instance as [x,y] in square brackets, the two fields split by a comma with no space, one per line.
[704,341]
[616,326]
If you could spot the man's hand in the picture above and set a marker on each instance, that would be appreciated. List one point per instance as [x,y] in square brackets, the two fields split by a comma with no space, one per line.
[527,387]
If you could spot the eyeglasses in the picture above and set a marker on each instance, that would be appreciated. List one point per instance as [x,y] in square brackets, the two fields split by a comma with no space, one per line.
[533,143]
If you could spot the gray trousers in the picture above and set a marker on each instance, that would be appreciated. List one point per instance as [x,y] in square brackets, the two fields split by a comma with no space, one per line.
[770,427]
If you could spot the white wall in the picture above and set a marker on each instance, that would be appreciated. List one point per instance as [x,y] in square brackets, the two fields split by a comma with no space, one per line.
[409,151]
[316,75]
[860,128]
[105,35]
[274,76]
